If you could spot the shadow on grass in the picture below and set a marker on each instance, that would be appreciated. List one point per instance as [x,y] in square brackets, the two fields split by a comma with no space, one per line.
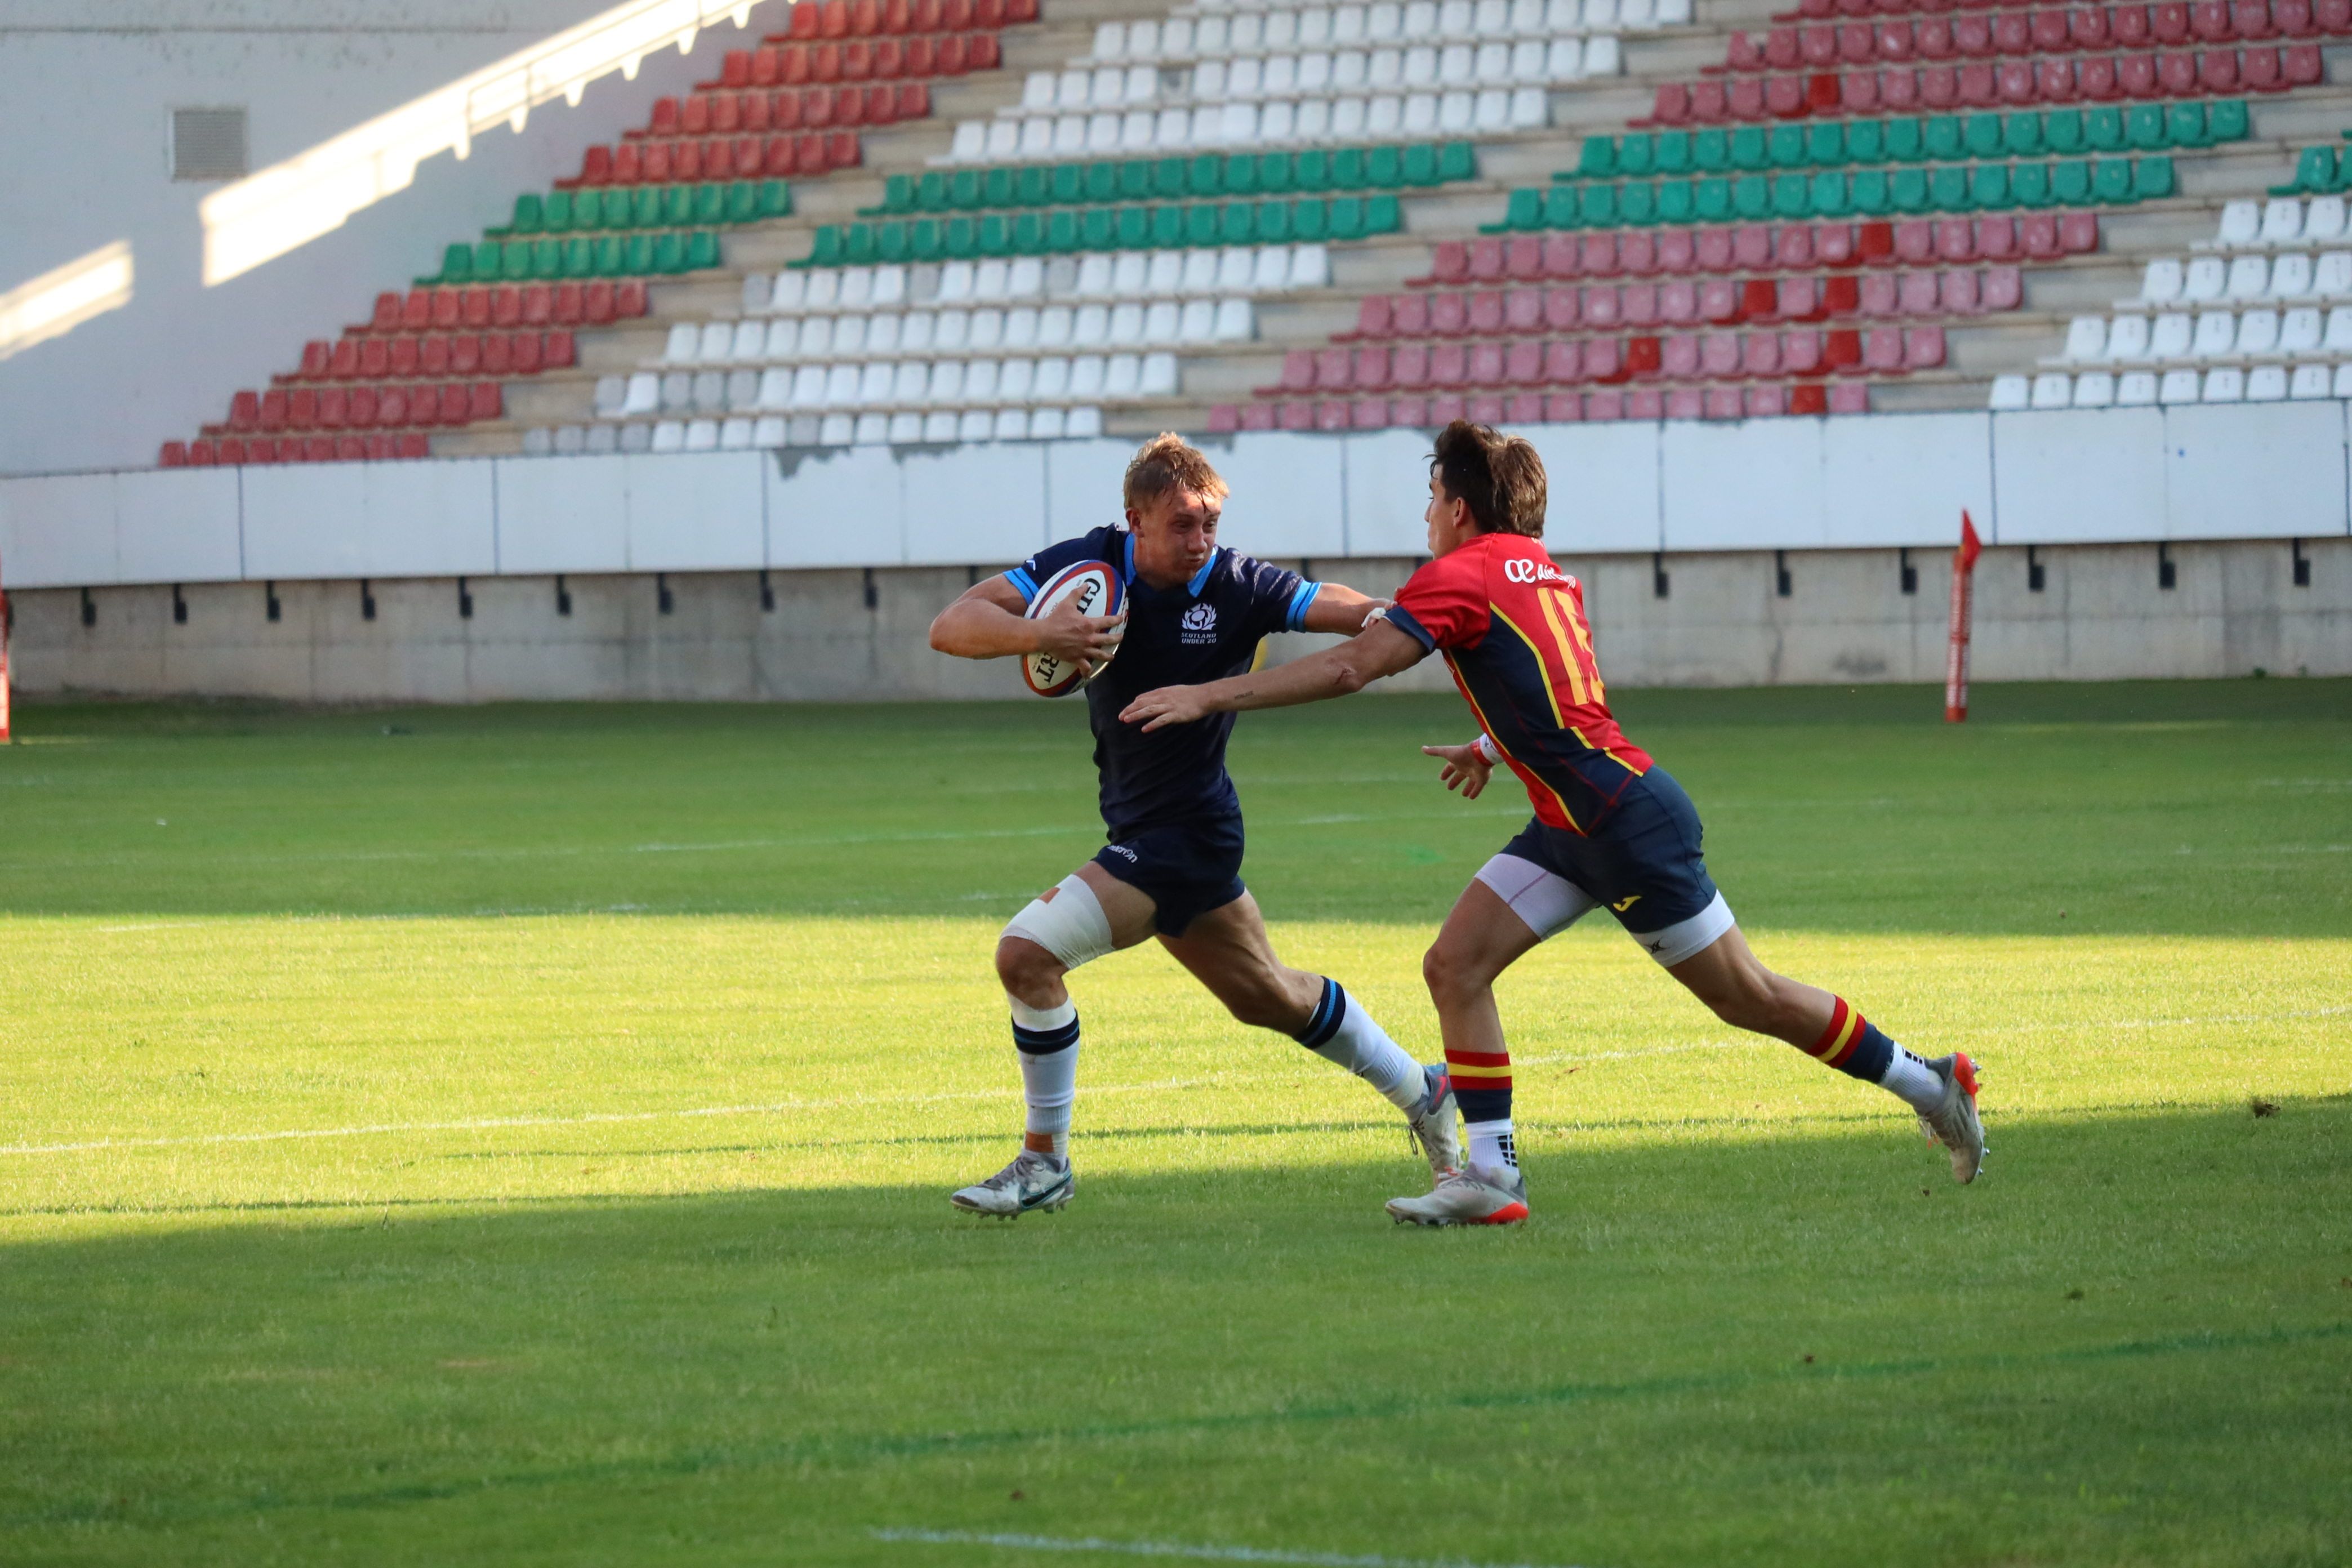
[1688,1339]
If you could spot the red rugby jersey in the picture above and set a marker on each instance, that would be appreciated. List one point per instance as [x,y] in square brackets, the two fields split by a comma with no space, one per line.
[1511,626]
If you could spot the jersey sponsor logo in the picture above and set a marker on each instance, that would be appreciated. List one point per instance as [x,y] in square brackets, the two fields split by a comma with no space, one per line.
[1199,625]
[1519,571]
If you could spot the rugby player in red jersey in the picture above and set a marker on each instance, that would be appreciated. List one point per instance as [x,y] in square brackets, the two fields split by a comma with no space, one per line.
[1611,826]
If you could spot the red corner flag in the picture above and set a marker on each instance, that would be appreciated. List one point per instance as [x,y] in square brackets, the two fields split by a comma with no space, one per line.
[1955,666]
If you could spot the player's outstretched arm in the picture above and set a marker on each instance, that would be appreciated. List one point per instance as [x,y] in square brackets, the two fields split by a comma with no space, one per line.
[987,622]
[1381,649]
[1466,767]
[1339,608]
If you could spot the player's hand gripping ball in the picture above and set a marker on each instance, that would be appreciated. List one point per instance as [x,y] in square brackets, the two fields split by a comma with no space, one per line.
[1082,608]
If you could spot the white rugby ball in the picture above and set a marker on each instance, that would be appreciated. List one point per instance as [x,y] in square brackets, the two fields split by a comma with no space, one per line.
[1092,588]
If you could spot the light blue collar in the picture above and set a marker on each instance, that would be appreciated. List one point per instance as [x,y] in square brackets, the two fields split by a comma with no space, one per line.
[1200,579]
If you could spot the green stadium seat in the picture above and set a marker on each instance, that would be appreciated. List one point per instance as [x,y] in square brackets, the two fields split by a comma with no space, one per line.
[1274,221]
[563,214]
[703,251]
[931,193]
[1825,144]
[1384,168]
[2225,119]
[892,243]
[1068,183]
[1032,185]
[1943,137]
[1869,193]
[1208,176]
[638,254]
[1906,190]
[1785,147]
[1749,149]
[1275,176]
[2111,180]
[457,263]
[1135,177]
[1826,195]
[1347,170]
[2021,135]
[1458,161]
[1906,141]
[1311,220]
[1675,152]
[612,256]
[1164,227]
[1102,181]
[529,216]
[2103,128]
[2185,126]
[1792,196]
[961,239]
[994,238]
[1313,170]
[1751,197]
[1597,159]
[1347,216]
[2315,174]
[669,250]
[677,206]
[929,241]
[1420,164]
[1061,232]
[2152,179]
[645,207]
[2070,181]
[775,199]
[1711,200]
[1238,226]
[1171,179]
[1201,224]
[898,194]
[859,249]
[1710,151]
[1982,136]
[1524,211]
[2143,126]
[1098,229]
[1596,206]
[826,252]
[2062,130]
[1241,175]
[546,258]
[1637,155]
[742,202]
[966,190]
[1028,233]
[1556,207]
[1675,203]
[1866,141]
[2029,184]
[489,261]
[1989,188]
[1948,189]
[1383,214]
[1637,203]
[579,256]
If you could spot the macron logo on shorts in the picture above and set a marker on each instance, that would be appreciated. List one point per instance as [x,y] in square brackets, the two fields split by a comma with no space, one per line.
[1121,850]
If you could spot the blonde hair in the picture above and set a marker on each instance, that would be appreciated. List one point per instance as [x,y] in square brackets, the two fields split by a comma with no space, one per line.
[1168,462]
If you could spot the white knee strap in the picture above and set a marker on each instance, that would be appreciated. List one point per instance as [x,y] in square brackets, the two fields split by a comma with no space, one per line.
[1067,922]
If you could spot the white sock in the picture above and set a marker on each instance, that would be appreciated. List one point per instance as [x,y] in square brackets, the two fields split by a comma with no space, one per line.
[1491,1144]
[1049,1078]
[1364,1049]
[1912,1080]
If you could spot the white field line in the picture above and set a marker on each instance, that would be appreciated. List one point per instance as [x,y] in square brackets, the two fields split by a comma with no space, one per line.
[1173,1549]
[780,1108]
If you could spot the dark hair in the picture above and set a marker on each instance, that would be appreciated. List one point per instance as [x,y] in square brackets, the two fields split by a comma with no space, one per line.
[1499,477]
[1168,462]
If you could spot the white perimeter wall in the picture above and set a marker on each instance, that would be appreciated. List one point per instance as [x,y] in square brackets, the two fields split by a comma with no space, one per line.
[2275,470]
[86,95]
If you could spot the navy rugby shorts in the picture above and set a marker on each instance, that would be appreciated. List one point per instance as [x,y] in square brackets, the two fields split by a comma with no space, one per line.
[1187,868]
[1643,862]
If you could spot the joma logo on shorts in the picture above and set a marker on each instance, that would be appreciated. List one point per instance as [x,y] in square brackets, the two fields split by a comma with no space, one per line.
[1532,572]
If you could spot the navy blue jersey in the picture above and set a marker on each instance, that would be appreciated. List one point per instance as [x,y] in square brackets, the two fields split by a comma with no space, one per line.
[1205,629]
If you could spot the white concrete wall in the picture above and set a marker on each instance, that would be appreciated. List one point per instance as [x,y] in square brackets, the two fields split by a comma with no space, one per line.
[87,93]
[2274,470]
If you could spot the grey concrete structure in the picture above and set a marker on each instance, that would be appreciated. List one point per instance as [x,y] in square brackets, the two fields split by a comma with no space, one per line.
[2101,614]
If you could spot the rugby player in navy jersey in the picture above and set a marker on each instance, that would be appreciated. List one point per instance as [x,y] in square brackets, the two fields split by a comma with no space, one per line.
[1194,612]
[1611,826]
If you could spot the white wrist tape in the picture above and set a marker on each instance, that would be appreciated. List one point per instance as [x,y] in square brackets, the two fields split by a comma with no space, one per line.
[1067,922]
[1485,747]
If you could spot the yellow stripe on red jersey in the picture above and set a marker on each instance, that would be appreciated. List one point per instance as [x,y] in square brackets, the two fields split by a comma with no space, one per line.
[1512,628]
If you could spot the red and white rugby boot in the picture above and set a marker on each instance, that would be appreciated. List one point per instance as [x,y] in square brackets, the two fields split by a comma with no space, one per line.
[1953,1123]
[1475,1194]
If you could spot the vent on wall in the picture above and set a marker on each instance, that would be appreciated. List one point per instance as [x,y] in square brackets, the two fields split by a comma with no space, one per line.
[208,144]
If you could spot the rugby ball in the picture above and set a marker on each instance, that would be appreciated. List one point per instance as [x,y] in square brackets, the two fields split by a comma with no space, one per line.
[1090,587]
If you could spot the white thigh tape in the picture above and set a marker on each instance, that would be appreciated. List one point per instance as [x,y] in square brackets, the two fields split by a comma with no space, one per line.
[1067,922]
[1687,939]
[1549,903]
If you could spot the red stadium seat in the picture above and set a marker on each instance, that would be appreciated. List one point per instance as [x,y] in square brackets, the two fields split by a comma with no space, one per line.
[1223,419]
[433,356]
[175,455]
[1792,246]
[1597,255]
[833,19]
[1371,370]
[1331,415]
[522,353]
[400,360]
[666,119]
[244,411]
[464,355]
[497,353]
[914,100]
[1712,250]
[485,402]
[506,306]
[1563,362]
[2003,289]
[629,299]
[596,303]
[857,60]
[1409,366]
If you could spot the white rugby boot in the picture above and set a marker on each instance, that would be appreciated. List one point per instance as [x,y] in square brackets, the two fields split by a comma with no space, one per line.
[1033,1180]
[1434,1126]
[1954,1123]
[1475,1194]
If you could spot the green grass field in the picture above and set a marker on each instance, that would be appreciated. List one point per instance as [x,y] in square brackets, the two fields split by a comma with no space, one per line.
[520,1136]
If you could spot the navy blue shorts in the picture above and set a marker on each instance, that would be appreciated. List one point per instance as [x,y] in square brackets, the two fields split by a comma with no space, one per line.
[1187,868]
[1643,863]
